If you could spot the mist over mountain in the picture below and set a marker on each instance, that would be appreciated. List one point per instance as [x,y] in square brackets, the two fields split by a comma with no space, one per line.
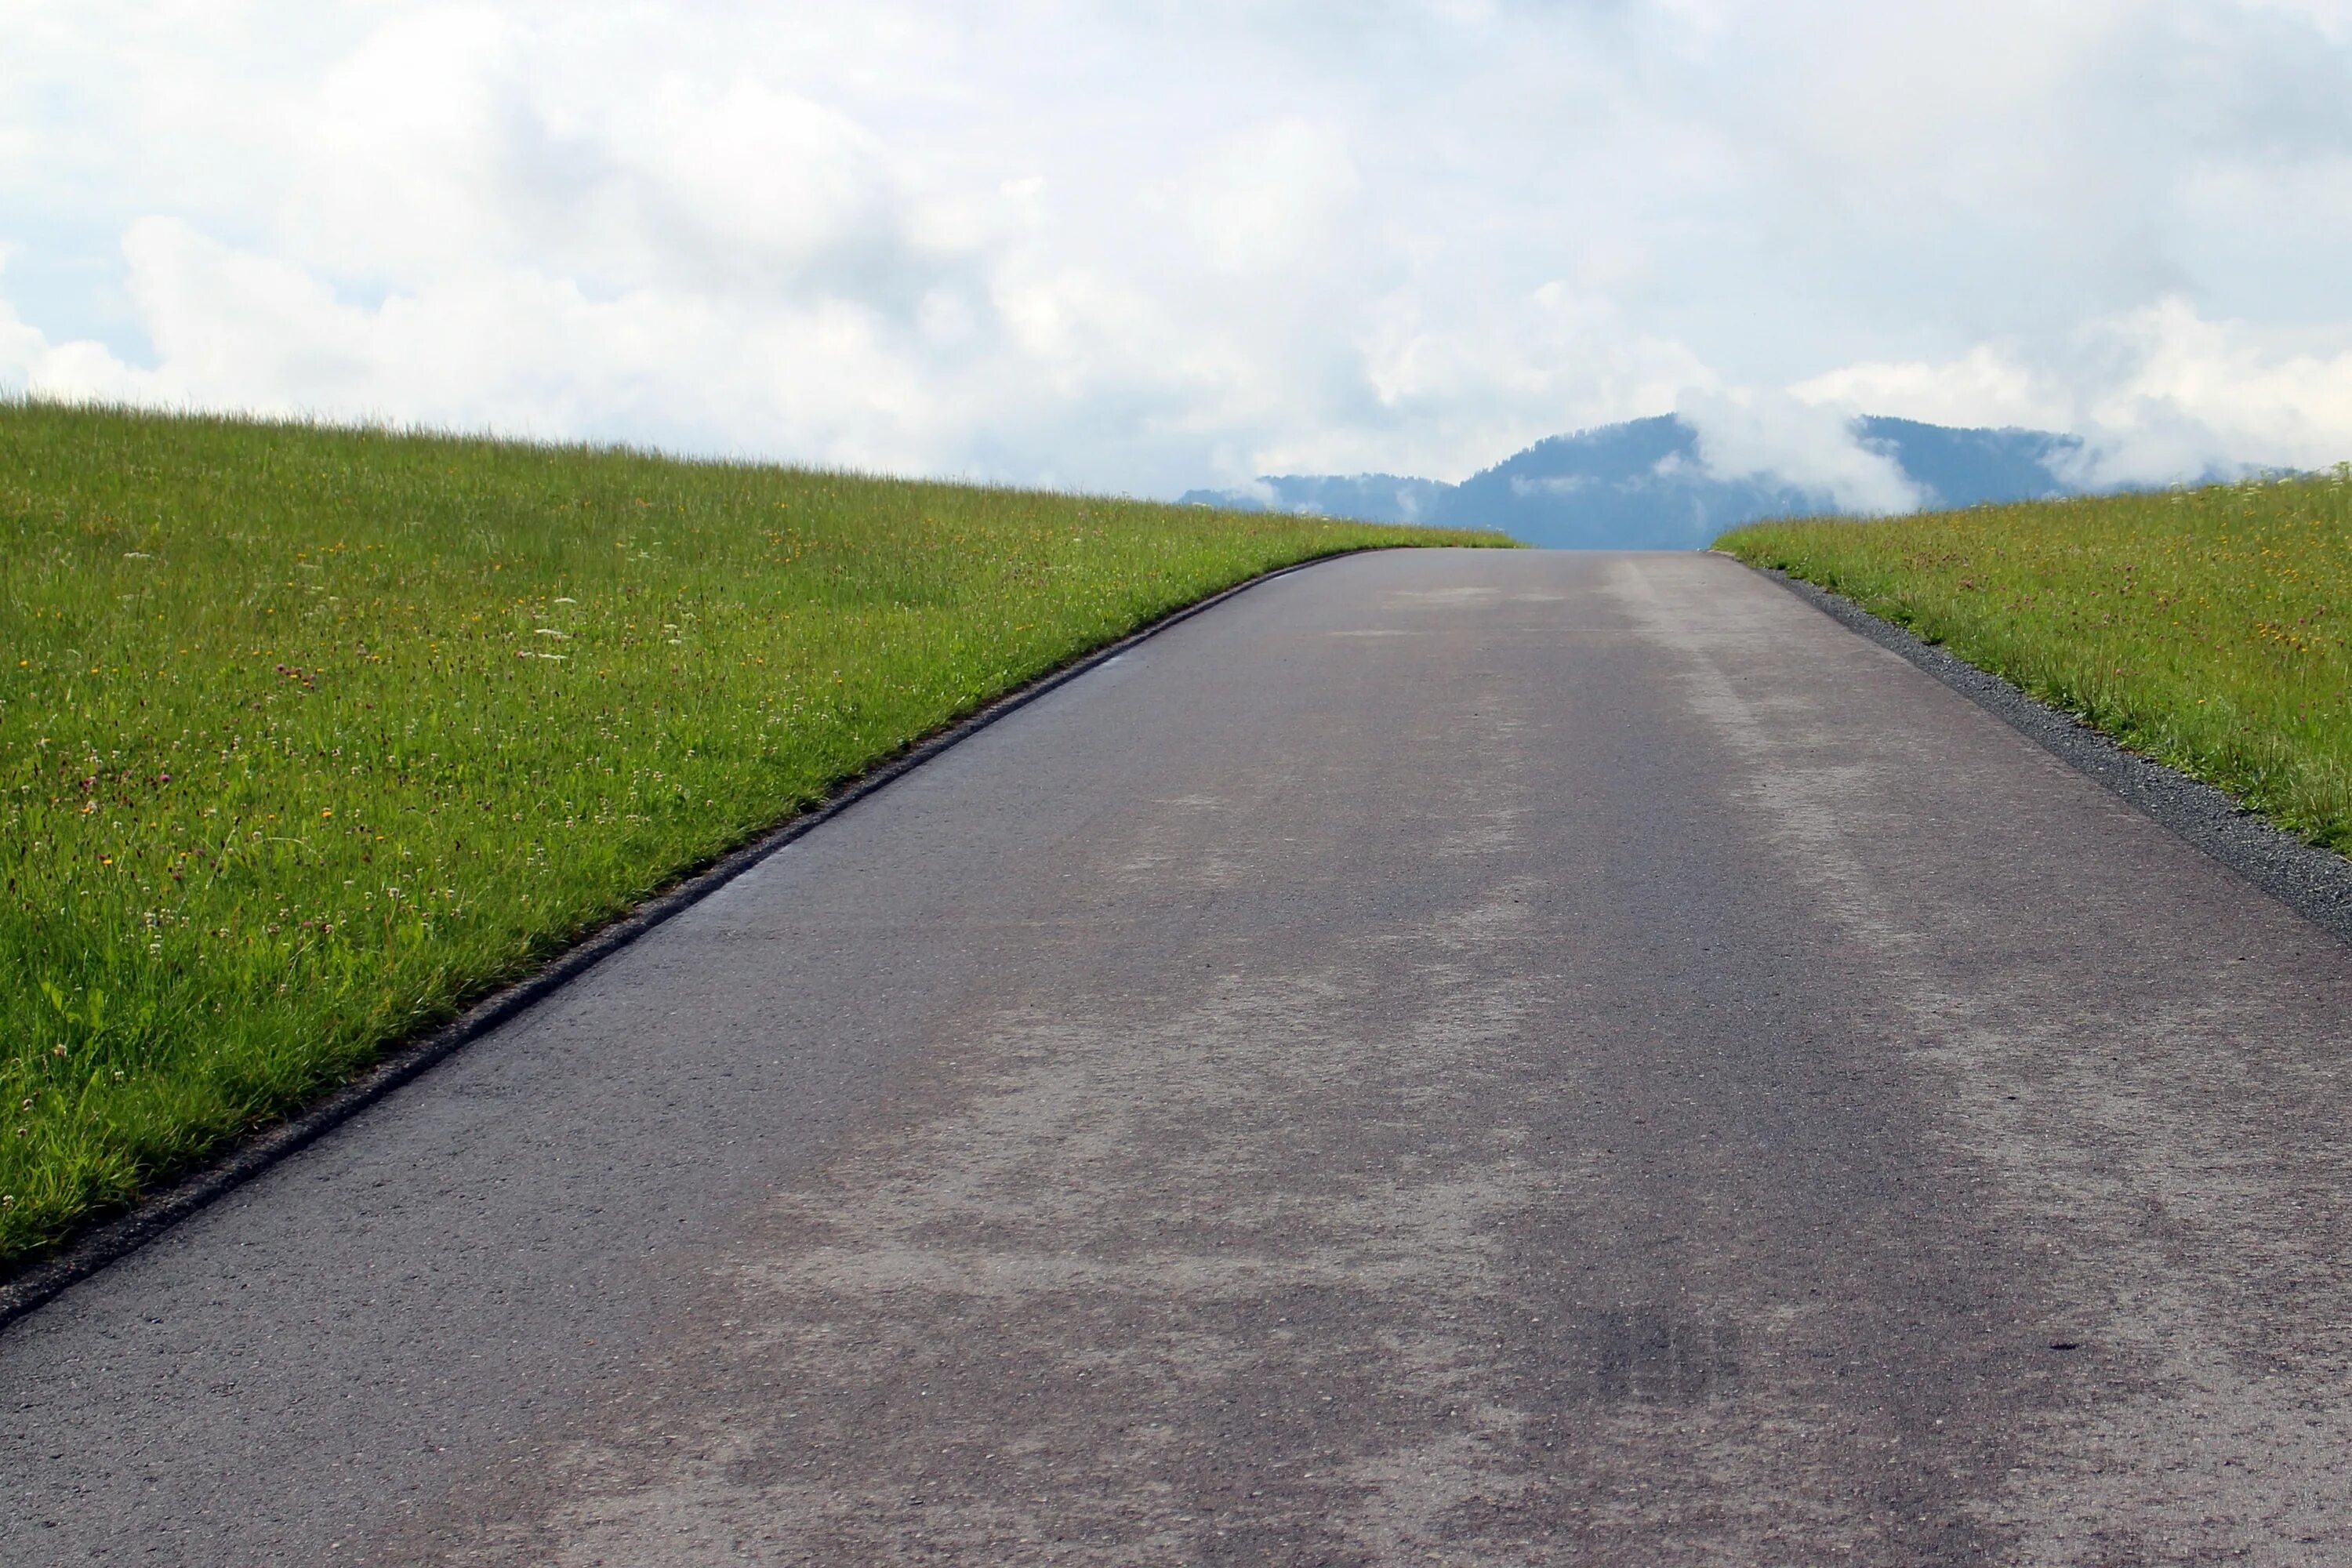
[1654,484]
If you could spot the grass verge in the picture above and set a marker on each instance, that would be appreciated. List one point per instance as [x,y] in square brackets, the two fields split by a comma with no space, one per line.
[309,736]
[2210,629]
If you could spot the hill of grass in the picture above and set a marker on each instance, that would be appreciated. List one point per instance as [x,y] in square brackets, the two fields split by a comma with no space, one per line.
[2211,630]
[309,736]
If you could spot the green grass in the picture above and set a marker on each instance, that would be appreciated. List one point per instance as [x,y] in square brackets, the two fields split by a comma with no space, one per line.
[2211,630]
[309,736]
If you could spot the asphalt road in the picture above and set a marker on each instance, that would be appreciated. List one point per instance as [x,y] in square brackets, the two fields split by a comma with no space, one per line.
[1449,1058]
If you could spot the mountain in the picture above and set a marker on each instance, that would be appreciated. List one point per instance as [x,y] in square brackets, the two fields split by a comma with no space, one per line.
[1643,484]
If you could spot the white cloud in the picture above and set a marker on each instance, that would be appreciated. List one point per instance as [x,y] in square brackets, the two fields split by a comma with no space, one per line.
[1149,247]
[1271,199]
[1809,446]
[1986,387]
[2159,393]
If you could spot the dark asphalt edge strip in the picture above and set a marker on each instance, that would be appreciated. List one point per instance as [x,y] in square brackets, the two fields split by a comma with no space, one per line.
[127,1232]
[2313,882]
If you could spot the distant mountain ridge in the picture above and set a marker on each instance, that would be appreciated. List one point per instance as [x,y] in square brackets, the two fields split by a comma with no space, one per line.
[1644,485]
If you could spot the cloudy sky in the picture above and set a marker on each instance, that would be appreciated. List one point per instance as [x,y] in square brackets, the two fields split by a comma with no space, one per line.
[1145,245]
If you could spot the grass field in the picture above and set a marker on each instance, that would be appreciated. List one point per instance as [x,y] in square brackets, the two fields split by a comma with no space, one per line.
[309,736]
[2211,630]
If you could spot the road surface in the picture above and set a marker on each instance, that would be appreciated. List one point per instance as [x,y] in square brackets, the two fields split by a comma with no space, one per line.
[1448,1057]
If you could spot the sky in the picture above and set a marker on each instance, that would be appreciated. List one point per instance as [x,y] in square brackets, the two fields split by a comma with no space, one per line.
[1145,245]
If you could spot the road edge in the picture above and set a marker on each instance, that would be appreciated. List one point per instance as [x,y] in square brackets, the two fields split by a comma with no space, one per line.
[110,1239]
[2313,882]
